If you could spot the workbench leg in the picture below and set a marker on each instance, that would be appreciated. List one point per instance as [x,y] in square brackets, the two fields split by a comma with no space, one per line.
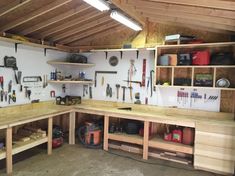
[9,151]
[106,132]
[146,140]
[72,117]
[49,135]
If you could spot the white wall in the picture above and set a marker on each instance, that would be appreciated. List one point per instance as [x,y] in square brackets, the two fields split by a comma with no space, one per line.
[161,97]
[32,62]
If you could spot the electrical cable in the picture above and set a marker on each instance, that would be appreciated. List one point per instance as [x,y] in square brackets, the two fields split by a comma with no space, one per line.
[151,163]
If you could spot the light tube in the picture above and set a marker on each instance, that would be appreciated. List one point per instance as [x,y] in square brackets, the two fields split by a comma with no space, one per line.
[98,4]
[124,20]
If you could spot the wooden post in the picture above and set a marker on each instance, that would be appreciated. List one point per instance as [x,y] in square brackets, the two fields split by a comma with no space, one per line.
[72,117]
[49,136]
[146,140]
[9,150]
[106,131]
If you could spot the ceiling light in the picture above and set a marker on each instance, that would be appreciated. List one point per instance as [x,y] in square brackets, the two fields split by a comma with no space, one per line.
[99,4]
[124,20]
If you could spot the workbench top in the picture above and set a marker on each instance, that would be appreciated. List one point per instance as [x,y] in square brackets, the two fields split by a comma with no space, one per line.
[15,115]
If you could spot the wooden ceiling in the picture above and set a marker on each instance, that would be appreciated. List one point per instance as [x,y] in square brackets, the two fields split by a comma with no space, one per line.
[71,22]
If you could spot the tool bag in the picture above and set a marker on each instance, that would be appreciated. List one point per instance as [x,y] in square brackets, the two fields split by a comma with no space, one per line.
[184,59]
[222,58]
[204,80]
[201,57]
[10,62]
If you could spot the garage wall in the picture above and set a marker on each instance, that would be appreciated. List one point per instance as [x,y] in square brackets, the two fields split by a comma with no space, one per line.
[32,62]
[161,97]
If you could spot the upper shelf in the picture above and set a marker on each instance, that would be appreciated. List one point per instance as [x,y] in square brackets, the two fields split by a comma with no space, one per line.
[122,49]
[56,62]
[197,66]
[220,44]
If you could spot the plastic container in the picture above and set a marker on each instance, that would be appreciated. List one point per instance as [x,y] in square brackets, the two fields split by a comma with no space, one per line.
[188,136]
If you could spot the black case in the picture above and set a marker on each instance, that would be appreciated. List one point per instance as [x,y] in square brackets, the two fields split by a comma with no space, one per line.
[223,58]
[184,59]
[10,62]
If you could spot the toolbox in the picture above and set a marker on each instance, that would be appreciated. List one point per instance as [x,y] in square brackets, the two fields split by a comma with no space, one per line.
[204,80]
[201,57]
[168,59]
[184,59]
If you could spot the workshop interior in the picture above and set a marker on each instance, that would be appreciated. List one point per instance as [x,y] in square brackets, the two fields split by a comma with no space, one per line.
[148,82]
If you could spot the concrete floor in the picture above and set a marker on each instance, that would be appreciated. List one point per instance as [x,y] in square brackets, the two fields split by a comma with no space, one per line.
[78,161]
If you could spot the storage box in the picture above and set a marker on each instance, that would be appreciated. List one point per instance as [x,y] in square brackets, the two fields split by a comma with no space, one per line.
[203,80]
[164,60]
[173,59]
[184,59]
[201,58]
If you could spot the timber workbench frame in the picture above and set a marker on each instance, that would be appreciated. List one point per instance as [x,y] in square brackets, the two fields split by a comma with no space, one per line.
[221,163]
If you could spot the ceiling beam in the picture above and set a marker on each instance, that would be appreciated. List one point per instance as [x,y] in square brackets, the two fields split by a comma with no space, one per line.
[13,6]
[89,32]
[217,4]
[185,20]
[55,29]
[52,6]
[195,17]
[129,10]
[99,35]
[182,8]
[80,28]
[55,19]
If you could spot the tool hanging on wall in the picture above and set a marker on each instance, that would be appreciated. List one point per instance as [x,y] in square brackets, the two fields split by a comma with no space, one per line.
[2,95]
[85,90]
[63,88]
[9,86]
[29,92]
[90,92]
[131,89]
[5,94]
[52,93]
[151,82]
[12,97]
[117,89]
[131,72]
[144,73]
[108,91]
[45,79]
[103,72]
[123,91]
[2,82]
[135,82]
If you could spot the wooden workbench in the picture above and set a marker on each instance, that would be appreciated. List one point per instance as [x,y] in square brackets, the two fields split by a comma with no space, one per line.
[214,140]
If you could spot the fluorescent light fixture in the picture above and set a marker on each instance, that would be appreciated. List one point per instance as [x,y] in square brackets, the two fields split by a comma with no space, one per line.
[98,4]
[124,20]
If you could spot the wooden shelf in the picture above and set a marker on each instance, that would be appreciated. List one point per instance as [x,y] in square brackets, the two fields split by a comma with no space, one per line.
[2,154]
[20,147]
[159,143]
[54,62]
[208,45]
[108,50]
[194,87]
[71,82]
[134,139]
[195,66]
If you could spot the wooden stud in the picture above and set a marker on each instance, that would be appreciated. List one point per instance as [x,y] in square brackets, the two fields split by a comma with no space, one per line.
[9,150]
[172,76]
[146,140]
[192,76]
[214,77]
[49,135]
[72,117]
[106,131]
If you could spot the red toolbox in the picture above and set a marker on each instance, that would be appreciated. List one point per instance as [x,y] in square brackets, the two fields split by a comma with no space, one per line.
[201,57]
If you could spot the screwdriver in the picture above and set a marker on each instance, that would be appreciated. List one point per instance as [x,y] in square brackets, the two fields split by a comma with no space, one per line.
[2,82]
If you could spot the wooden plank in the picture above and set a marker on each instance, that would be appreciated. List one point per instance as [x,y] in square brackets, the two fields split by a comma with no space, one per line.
[50,7]
[106,131]
[58,62]
[55,19]
[84,16]
[217,4]
[183,8]
[9,151]
[13,6]
[146,140]
[216,128]
[214,152]
[213,139]
[170,146]
[49,135]
[72,127]
[214,165]
[133,139]
[80,28]
[87,33]
[72,82]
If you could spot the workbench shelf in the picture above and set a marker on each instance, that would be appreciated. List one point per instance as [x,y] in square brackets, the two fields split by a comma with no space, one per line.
[169,74]
[56,62]
[71,82]
[22,146]
[123,137]
[159,143]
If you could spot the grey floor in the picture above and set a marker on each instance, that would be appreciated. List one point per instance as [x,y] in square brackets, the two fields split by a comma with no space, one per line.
[78,161]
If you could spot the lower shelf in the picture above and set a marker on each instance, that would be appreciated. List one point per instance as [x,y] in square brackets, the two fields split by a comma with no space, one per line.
[133,139]
[20,147]
[159,143]
[2,154]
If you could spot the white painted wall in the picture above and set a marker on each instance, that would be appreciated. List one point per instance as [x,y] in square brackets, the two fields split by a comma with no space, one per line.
[161,97]
[32,62]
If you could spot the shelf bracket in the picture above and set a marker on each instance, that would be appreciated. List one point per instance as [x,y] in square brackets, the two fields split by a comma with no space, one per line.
[137,54]
[121,54]
[45,51]
[16,47]
[106,55]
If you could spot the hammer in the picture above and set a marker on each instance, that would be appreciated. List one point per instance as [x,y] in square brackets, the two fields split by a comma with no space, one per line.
[124,88]
[117,87]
